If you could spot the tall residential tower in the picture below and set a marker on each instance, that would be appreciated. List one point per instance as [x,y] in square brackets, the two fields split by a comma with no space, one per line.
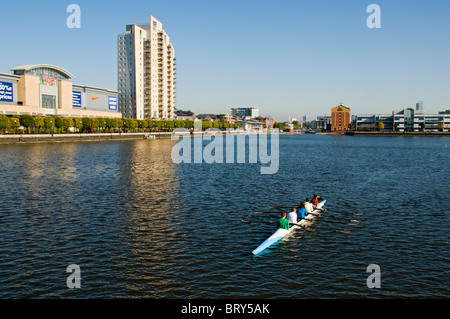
[146,72]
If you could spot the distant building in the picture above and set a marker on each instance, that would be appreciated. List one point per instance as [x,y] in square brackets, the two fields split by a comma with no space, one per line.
[322,123]
[185,115]
[227,118]
[251,125]
[208,117]
[419,106]
[268,122]
[249,112]
[340,119]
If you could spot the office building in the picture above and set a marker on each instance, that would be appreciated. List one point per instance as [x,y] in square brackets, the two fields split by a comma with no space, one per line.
[407,120]
[47,90]
[146,66]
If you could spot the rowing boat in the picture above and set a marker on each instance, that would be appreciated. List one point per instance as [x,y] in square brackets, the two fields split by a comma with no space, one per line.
[280,234]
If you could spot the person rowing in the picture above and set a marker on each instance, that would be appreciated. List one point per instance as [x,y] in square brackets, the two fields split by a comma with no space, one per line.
[302,213]
[308,206]
[292,216]
[315,201]
[283,223]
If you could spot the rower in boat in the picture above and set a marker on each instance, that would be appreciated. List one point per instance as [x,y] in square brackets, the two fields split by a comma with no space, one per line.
[308,206]
[292,216]
[283,223]
[302,213]
[315,201]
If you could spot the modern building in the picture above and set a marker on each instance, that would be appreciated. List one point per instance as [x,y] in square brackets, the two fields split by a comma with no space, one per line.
[340,119]
[43,89]
[248,112]
[146,66]
[407,120]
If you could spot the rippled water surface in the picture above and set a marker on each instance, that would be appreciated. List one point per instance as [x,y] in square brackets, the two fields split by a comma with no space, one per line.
[140,226]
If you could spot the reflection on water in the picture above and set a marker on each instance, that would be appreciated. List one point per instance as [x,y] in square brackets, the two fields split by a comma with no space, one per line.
[140,226]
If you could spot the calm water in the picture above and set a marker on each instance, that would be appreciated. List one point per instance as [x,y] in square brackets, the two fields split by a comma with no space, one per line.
[140,226]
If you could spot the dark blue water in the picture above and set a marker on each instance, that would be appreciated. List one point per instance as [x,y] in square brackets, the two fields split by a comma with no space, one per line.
[140,226]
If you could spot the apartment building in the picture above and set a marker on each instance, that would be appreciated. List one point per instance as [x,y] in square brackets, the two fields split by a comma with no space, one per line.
[146,66]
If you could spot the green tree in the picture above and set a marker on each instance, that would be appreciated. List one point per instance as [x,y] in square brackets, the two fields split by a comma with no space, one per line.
[94,123]
[119,123]
[114,124]
[101,123]
[4,123]
[27,121]
[59,123]
[86,124]
[49,123]
[38,122]
[14,123]
[422,126]
[142,124]
[77,123]
[67,123]
[130,124]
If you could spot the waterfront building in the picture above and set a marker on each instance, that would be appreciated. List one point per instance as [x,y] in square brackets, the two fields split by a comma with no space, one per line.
[47,90]
[146,66]
[248,112]
[251,125]
[340,119]
[406,120]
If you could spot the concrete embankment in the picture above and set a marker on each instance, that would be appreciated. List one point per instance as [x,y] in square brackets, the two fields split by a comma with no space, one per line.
[75,137]
[81,137]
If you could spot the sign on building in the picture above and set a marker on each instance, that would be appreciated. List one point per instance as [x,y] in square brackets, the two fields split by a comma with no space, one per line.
[6,92]
[112,103]
[76,99]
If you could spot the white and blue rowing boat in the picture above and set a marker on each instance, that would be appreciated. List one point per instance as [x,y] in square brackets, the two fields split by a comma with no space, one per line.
[280,234]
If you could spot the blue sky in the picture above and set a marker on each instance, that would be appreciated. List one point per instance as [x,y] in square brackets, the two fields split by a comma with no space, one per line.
[288,58]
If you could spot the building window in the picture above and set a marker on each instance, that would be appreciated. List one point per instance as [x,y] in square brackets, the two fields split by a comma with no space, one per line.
[48,101]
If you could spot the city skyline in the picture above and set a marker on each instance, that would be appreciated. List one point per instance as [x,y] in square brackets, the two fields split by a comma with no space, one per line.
[289,59]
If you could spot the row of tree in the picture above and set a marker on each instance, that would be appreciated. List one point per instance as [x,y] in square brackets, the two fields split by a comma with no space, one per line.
[50,124]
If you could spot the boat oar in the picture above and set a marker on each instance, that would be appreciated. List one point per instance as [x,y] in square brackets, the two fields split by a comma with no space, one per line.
[259,213]
[295,224]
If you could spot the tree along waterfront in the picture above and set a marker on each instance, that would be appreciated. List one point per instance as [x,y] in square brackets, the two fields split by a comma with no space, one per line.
[49,124]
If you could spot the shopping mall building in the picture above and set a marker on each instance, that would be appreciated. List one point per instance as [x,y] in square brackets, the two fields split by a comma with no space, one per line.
[43,90]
